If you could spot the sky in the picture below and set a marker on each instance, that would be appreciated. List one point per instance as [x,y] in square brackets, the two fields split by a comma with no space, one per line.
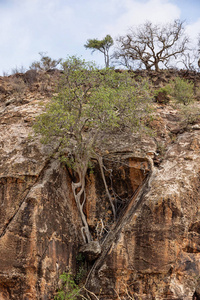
[61,27]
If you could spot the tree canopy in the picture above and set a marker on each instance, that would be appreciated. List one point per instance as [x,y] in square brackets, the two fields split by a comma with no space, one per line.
[152,46]
[102,46]
[90,103]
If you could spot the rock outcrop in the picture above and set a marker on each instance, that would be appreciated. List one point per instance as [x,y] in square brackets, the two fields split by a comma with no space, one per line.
[156,255]
[152,251]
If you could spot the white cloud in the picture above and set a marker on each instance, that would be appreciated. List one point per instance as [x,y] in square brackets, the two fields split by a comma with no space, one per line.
[30,26]
[137,12]
[193,30]
[62,27]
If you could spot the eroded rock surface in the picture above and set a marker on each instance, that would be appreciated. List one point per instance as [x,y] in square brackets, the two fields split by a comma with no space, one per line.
[156,255]
[38,236]
[153,249]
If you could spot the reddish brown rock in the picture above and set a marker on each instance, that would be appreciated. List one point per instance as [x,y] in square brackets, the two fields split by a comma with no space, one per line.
[37,235]
[152,251]
[156,255]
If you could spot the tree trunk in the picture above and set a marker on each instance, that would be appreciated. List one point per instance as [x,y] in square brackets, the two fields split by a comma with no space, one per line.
[100,161]
[156,67]
[106,59]
[80,198]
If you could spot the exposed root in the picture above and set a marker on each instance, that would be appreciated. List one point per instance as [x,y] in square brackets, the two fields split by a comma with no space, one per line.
[80,204]
[100,161]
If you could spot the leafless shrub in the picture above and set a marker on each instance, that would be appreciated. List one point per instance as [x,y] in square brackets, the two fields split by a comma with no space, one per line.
[46,63]
[18,70]
[17,85]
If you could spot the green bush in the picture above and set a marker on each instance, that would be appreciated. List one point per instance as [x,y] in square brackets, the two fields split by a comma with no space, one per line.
[183,91]
[89,105]
[69,289]
[162,94]
[190,114]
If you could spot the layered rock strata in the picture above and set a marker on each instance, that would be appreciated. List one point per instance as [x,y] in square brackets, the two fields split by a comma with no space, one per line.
[150,252]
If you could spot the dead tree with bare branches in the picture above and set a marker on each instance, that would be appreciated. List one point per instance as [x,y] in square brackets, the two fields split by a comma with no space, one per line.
[152,45]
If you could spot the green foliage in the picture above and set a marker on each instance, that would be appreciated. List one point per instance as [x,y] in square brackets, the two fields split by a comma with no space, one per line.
[90,103]
[183,91]
[68,161]
[190,114]
[162,94]
[81,268]
[197,92]
[161,148]
[90,167]
[102,46]
[69,289]
[167,89]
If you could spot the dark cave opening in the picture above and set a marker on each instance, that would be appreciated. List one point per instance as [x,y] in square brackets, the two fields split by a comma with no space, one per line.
[196,296]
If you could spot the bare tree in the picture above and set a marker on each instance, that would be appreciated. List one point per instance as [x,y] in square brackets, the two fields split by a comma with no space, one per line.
[199,50]
[152,46]
[46,63]
[188,60]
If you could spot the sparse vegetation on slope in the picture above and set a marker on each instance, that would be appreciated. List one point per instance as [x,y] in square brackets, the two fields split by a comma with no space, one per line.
[89,104]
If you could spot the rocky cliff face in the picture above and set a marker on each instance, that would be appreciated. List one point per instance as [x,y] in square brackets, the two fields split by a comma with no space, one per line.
[152,251]
[156,254]
[36,240]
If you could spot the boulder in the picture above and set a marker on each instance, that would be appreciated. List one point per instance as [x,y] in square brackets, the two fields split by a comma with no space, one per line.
[91,251]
